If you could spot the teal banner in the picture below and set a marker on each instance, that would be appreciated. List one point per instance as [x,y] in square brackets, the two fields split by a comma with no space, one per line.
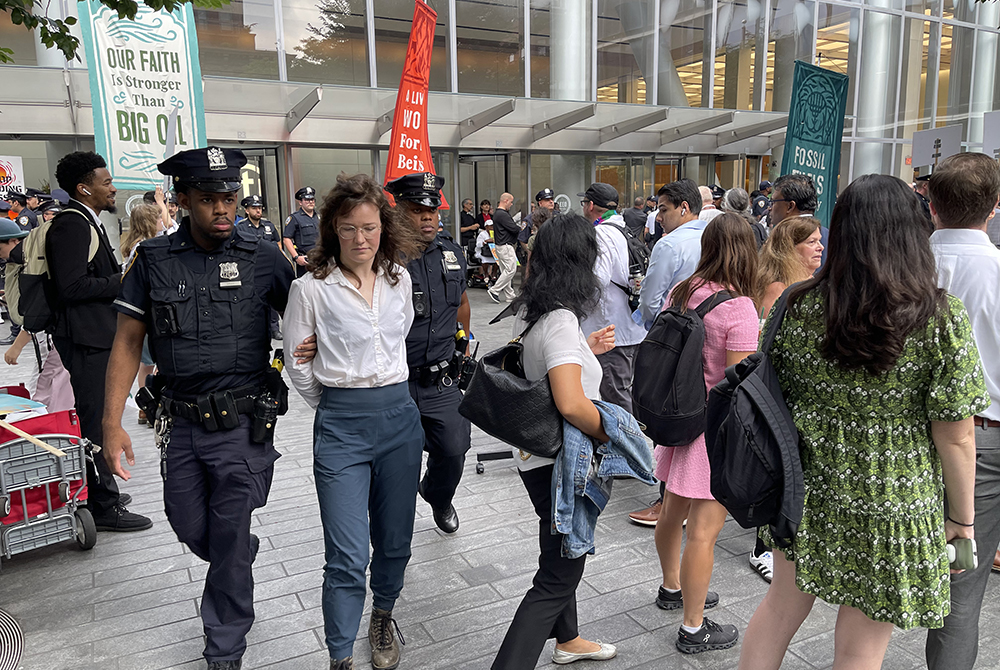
[145,87]
[815,131]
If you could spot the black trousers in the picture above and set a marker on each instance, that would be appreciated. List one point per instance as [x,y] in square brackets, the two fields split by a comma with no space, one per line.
[549,607]
[447,438]
[87,367]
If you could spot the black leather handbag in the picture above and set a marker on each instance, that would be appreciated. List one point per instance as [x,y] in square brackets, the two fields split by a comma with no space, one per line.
[510,408]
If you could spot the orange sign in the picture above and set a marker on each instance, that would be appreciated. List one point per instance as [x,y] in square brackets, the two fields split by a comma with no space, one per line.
[409,150]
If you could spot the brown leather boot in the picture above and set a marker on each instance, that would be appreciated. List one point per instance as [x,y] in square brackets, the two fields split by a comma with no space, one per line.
[385,647]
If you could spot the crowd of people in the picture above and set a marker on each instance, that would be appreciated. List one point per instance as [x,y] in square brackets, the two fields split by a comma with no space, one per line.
[887,359]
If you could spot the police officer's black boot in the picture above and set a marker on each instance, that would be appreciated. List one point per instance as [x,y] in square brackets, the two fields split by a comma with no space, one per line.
[226,665]
[385,647]
[445,518]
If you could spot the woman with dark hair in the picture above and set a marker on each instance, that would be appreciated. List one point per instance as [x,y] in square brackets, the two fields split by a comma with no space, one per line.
[367,437]
[485,213]
[560,290]
[882,377]
[728,263]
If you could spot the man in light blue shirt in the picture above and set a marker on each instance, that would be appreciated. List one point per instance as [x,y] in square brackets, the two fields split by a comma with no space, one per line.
[676,255]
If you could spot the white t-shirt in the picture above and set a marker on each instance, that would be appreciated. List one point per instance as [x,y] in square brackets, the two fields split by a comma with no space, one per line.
[482,238]
[555,340]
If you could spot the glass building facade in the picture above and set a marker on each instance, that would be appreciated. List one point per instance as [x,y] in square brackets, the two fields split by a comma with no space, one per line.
[913,65]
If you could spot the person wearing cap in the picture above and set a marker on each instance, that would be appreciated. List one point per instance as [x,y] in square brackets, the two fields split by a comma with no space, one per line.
[600,204]
[544,199]
[505,232]
[171,225]
[921,186]
[34,198]
[85,285]
[635,219]
[255,224]
[50,209]
[201,295]
[302,229]
[762,201]
[23,216]
[441,314]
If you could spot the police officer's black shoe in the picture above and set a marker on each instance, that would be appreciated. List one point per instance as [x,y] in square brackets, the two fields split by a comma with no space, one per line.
[225,665]
[447,519]
[254,547]
[7,341]
[119,520]
[385,646]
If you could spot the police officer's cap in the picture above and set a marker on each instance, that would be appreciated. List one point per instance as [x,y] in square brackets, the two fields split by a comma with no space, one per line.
[422,188]
[36,193]
[545,194]
[60,196]
[172,197]
[252,201]
[602,195]
[51,206]
[211,169]
[10,230]
[13,195]
[764,185]
[717,191]
[306,193]
[4,206]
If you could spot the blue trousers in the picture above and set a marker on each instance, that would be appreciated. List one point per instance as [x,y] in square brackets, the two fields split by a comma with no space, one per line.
[214,481]
[367,445]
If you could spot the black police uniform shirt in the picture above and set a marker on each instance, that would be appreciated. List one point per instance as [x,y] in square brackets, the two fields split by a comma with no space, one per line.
[761,205]
[302,230]
[265,231]
[26,219]
[217,301]
[439,275]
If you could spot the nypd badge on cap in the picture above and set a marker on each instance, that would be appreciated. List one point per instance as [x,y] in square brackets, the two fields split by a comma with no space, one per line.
[212,169]
[306,193]
[252,201]
[422,188]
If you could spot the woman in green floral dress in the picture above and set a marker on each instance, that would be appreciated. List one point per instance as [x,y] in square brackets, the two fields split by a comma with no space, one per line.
[882,376]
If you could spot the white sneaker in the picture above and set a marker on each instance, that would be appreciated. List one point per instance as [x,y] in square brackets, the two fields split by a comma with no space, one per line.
[763,564]
[607,651]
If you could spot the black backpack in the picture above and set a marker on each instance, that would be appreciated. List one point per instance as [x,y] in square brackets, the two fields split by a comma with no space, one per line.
[753,444]
[638,262]
[668,385]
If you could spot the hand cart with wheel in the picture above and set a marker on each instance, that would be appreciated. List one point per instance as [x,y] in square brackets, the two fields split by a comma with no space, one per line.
[41,494]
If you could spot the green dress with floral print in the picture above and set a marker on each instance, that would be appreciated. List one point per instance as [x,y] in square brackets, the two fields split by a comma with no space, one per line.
[872,531]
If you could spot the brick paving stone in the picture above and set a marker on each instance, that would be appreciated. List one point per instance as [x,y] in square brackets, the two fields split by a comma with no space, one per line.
[131,603]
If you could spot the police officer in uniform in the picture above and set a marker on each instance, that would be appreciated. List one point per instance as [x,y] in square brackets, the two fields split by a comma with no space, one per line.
[302,229]
[254,224]
[201,295]
[25,218]
[762,203]
[439,305]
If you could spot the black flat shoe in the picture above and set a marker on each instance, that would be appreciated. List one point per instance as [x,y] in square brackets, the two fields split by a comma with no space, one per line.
[447,519]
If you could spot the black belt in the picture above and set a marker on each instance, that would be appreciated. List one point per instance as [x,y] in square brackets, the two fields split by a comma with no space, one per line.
[243,397]
[432,374]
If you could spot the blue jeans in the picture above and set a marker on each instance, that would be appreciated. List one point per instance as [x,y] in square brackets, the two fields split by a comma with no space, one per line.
[367,445]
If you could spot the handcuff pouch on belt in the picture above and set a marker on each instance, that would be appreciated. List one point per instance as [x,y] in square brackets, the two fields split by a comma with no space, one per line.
[434,374]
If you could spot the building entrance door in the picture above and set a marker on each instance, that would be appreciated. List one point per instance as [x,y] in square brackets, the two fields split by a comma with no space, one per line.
[260,177]
[483,177]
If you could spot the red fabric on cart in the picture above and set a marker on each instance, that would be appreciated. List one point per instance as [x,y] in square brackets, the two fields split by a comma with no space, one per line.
[64,423]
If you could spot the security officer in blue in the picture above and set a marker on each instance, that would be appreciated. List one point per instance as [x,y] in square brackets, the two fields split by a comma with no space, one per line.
[25,218]
[441,309]
[201,295]
[302,229]
[255,224]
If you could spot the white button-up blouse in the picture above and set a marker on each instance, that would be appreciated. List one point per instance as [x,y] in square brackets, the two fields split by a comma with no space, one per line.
[358,346]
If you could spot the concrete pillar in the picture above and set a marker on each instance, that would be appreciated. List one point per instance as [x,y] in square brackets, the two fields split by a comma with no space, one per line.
[792,31]
[874,99]
[669,90]
[569,50]
[981,99]
[45,56]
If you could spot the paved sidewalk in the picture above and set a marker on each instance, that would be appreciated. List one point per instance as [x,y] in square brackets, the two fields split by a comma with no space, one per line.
[131,603]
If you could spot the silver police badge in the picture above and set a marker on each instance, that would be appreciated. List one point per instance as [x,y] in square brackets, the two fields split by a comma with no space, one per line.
[451,260]
[430,183]
[216,159]
[229,275]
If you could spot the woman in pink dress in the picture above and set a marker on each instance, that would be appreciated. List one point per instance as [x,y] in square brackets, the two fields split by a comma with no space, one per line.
[728,263]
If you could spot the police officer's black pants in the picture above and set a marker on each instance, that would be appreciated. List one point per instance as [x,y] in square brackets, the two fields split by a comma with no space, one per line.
[214,481]
[549,607]
[447,438]
[87,367]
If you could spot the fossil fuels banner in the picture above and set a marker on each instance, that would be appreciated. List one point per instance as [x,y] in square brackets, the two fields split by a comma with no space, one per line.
[145,85]
[409,150]
[815,131]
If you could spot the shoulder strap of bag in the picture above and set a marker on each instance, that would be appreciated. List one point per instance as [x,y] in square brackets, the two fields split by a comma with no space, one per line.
[780,308]
[524,332]
[711,302]
[95,235]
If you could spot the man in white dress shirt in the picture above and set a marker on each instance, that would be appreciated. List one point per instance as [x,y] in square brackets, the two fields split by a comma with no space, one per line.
[964,191]
[600,203]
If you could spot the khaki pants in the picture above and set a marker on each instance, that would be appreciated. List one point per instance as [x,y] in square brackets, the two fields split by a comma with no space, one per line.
[507,260]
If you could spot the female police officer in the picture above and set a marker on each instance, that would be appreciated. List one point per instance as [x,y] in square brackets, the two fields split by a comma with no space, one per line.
[202,295]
